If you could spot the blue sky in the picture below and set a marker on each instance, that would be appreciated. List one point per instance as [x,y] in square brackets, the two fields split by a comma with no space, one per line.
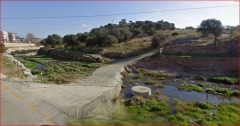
[62,26]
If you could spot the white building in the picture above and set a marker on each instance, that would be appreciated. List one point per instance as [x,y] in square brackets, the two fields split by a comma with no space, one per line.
[4,37]
[12,37]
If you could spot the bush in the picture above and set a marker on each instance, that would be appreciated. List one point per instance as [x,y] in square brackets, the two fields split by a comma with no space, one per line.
[235,93]
[3,48]
[91,41]
[189,27]
[36,72]
[204,105]
[158,40]
[175,34]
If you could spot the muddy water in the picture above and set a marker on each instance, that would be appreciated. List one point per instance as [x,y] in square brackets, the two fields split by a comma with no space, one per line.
[170,90]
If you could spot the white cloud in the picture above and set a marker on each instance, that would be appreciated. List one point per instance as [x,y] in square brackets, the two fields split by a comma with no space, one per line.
[86,25]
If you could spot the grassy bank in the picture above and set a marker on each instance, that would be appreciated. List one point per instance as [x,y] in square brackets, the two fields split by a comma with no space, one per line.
[154,111]
[9,68]
[58,71]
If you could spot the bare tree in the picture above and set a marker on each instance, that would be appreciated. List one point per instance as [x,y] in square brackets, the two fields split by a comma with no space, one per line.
[30,38]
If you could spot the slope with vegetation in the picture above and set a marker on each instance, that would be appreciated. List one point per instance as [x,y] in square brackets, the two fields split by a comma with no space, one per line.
[120,37]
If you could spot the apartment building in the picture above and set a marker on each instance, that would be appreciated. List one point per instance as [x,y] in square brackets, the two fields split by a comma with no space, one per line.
[4,37]
[12,37]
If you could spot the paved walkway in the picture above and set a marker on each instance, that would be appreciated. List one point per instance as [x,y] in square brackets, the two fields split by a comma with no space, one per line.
[26,102]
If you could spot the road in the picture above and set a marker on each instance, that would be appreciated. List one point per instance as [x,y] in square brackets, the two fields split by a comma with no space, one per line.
[29,103]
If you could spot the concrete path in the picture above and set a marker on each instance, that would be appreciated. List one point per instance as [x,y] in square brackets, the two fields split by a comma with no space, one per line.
[28,103]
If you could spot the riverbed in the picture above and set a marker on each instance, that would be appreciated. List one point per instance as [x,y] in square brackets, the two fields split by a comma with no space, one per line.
[170,90]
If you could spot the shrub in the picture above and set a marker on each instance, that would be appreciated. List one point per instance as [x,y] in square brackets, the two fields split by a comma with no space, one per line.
[175,34]
[157,40]
[3,48]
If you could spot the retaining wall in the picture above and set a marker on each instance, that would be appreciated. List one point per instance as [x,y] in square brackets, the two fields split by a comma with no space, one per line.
[68,55]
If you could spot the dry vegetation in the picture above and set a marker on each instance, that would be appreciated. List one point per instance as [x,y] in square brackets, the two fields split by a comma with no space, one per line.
[131,45]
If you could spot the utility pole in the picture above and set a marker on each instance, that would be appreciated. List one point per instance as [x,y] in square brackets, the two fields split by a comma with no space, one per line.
[41,77]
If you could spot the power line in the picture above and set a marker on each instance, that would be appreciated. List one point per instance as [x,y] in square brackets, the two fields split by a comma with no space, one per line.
[106,15]
[35,23]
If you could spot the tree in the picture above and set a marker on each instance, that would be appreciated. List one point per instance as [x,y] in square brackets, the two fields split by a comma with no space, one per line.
[54,40]
[125,34]
[157,40]
[109,40]
[211,26]
[30,38]
[91,41]
[189,27]
[71,40]
[43,42]
[82,37]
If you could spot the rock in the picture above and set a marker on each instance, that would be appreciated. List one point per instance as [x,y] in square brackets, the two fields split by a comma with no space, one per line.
[3,76]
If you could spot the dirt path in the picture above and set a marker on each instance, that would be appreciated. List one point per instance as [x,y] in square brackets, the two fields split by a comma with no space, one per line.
[54,104]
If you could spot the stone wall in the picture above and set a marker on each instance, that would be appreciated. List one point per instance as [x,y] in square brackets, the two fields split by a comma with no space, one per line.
[9,50]
[205,50]
[26,71]
[68,55]
[17,45]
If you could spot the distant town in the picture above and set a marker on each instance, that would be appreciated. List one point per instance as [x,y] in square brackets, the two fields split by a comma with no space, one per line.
[10,37]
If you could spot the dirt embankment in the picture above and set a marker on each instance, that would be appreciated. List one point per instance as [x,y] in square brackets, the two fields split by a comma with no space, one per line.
[199,65]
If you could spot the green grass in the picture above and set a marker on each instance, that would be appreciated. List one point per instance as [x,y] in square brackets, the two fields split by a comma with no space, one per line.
[190,87]
[59,71]
[138,76]
[224,80]
[153,74]
[154,82]
[222,91]
[204,113]
[203,85]
[29,64]
[153,111]
[9,69]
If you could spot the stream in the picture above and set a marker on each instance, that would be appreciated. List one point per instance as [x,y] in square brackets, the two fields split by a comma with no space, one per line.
[170,90]
[38,67]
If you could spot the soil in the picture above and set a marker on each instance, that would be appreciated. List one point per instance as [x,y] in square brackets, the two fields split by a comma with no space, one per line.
[185,66]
